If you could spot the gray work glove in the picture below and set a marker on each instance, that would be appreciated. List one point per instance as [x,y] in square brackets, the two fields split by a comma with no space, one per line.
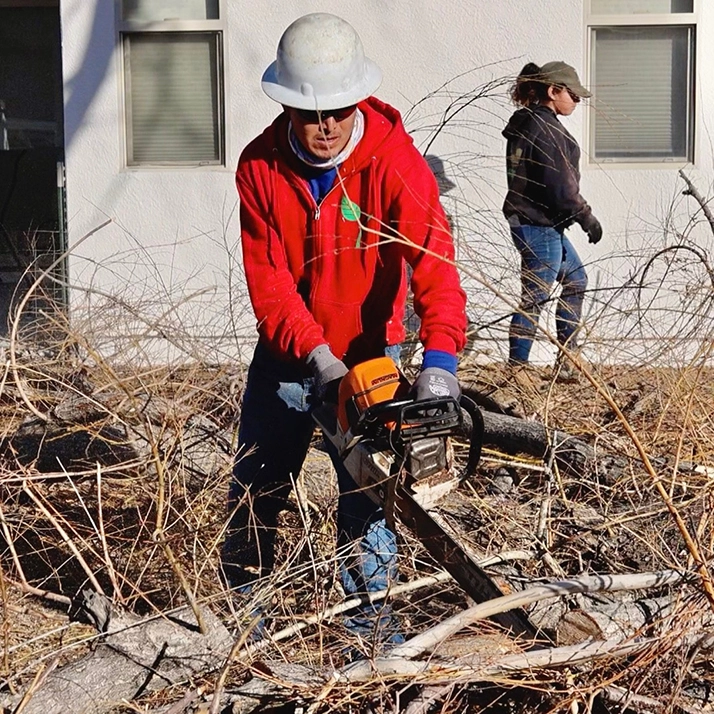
[435,382]
[328,372]
[594,231]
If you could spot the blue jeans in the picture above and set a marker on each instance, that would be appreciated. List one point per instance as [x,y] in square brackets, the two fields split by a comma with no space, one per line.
[277,427]
[547,256]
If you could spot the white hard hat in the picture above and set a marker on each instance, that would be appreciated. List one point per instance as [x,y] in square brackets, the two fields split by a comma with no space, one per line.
[320,65]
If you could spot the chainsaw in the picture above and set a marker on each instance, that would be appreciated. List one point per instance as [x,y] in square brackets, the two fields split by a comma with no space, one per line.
[399,452]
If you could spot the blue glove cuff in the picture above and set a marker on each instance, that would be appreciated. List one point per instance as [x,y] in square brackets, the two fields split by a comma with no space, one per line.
[440,359]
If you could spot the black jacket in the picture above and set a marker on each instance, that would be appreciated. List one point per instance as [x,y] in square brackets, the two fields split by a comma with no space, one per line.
[543,176]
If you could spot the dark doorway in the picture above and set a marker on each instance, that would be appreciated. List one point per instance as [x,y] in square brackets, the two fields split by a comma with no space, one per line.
[32,230]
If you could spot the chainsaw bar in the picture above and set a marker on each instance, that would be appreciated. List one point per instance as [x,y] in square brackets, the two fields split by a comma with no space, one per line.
[395,448]
[452,556]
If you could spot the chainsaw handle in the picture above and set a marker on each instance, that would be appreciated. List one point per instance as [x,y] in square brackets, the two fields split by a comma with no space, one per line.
[470,407]
[428,411]
[381,412]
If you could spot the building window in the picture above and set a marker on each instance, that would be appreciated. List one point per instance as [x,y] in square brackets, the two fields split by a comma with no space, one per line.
[173,82]
[642,56]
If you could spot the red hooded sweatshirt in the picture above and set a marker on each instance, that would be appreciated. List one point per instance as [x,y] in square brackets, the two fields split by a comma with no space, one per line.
[335,273]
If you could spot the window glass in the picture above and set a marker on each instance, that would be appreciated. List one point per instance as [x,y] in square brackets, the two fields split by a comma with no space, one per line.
[159,10]
[172,97]
[642,79]
[30,79]
[636,7]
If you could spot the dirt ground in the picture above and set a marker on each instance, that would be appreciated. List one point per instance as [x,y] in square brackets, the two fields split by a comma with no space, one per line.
[50,517]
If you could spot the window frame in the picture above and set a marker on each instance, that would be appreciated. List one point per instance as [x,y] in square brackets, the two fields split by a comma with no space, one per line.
[690,20]
[135,27]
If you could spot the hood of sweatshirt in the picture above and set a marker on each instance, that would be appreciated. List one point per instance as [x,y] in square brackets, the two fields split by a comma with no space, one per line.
[521,119]
[383,134]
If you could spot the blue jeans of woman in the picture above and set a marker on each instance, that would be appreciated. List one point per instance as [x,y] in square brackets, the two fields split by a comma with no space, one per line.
[276,428]
[547,257]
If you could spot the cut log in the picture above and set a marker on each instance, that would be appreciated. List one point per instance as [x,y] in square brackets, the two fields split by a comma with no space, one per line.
[513,435]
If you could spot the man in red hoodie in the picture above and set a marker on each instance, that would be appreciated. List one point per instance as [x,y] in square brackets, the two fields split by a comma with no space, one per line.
[334,201]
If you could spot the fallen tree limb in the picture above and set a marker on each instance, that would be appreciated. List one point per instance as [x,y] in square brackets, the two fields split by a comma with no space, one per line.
[474,669]
[589,583]
[280,676]
[538,659]
[136,655]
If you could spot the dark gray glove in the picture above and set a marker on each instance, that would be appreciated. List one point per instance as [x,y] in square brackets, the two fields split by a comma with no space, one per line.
[435,382]
[594,231]
[328,372]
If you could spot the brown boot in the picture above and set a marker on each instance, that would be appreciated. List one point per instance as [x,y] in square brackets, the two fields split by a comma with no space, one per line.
[525,377]
[526,385]
[565,371]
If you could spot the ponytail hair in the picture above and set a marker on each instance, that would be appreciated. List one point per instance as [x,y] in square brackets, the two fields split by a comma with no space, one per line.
[530,86]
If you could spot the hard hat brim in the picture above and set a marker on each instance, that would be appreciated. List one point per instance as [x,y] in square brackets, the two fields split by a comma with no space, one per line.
[292,98]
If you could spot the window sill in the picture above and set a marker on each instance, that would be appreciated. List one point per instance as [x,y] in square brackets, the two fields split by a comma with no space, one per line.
[172,168]
[673,165]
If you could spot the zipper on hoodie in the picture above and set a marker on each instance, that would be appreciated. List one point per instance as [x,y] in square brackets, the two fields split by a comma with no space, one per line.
[324,198]
[302,187]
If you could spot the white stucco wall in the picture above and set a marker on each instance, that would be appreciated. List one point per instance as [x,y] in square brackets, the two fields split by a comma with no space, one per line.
[174,233]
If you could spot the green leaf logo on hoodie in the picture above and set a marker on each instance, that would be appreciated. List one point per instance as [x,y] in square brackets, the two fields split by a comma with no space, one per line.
[351,212]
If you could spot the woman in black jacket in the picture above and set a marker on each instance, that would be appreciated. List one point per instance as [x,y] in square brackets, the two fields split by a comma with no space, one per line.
[543,199]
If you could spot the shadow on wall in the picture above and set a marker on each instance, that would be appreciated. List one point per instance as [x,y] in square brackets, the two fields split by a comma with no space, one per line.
[85,83]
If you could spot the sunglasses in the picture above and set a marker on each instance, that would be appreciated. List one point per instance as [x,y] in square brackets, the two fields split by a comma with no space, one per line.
[309,117]
[574,97]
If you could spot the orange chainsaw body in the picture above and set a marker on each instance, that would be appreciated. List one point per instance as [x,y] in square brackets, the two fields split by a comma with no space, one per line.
[367,384]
